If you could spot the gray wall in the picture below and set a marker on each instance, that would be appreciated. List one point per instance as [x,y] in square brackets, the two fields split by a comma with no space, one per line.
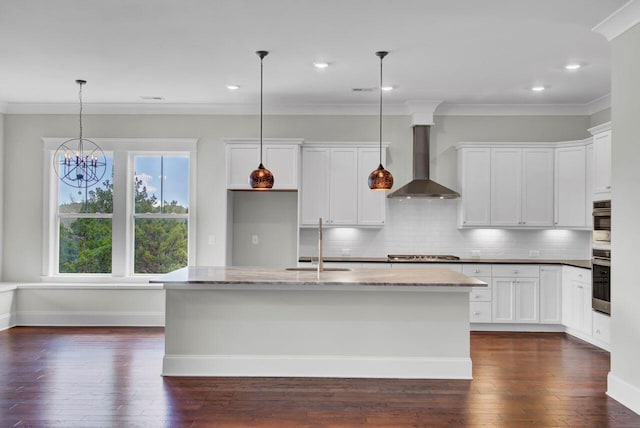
[625,233]
[600,117]
[273,218]
[450,130]
[23,198]
[1,187]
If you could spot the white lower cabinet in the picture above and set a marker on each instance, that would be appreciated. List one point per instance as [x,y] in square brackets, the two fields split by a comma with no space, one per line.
[602,328]
[515,293]
[550,294]
[480,312]
[576,301]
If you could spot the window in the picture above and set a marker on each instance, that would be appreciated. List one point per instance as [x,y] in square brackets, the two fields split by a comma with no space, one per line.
[138,220]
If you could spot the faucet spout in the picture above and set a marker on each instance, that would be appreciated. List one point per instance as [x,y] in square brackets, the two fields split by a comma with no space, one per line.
[320,261]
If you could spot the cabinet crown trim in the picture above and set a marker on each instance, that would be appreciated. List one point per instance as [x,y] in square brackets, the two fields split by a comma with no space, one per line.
[520,144]
[350,144]
[600,128]
[293,141]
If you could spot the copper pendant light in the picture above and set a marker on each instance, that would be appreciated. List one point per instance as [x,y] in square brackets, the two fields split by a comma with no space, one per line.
[261,178]
[380,178]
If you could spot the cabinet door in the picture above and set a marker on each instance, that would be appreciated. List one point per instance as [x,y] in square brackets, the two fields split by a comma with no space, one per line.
[506,179]
[589,172]
[602,162]
[503,290]
[371,203]
[314,197]
[526,295]
[241,160]
[282,161]
[537,187]
[570,182]
[550,295]
[474,175]
[343,176]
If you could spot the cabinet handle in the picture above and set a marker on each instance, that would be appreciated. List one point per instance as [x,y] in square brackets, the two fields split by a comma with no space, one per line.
[608,187]
[515,272]
[580,286]
[555,222]
[524,222]
[476,313]
[598,331]
[477,296]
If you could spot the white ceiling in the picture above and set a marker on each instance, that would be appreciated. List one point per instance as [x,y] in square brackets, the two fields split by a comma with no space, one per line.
[455,51]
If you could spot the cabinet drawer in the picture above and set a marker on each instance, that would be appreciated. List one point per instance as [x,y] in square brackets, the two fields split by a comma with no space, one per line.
[515,271]
[477,270]
[480,312]
[480,294]
[452,266]
[601,327]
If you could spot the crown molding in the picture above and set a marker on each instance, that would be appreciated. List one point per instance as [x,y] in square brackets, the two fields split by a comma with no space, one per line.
[599,104]
[446,109]
[421,111]
[619,21]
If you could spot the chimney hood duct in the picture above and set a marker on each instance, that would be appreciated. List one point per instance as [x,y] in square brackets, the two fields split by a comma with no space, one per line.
[421,186]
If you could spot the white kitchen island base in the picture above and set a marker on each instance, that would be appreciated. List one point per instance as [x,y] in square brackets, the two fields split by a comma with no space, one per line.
[310,329]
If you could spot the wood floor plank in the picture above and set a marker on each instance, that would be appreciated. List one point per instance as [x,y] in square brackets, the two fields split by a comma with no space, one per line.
[110,377]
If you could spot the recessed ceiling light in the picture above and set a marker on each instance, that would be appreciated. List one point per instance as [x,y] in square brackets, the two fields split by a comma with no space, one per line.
[572,66]
[538,88]
[387,88]
[321,64]
[233,87]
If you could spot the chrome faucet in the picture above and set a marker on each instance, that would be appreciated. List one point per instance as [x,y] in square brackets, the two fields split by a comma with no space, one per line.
[320,261]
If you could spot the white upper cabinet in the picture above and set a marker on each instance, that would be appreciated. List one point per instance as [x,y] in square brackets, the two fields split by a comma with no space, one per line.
[506,185]
[589,185]
[371,204]
[334,185]
[280,156]
[602,165]
[537,187]
[474,177]
[570,187]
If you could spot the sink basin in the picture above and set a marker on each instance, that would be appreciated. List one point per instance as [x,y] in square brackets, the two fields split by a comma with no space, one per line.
[314,269]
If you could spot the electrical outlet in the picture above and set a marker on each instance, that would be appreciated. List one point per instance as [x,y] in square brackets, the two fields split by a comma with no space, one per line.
[475,253]
[254,239]
[534,253]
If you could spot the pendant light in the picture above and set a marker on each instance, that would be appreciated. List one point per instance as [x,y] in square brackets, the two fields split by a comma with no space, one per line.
[380,178]
[261,178]
[79,162]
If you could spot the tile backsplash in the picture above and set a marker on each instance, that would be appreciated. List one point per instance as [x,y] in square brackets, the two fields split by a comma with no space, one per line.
[426,226]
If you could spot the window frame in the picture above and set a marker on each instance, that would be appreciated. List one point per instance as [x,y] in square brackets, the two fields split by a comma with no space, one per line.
[123,151]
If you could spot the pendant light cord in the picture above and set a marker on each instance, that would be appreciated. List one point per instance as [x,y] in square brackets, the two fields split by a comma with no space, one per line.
[261,67]
[381,56]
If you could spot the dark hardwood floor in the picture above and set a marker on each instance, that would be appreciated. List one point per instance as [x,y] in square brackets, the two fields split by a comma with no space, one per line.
[110,377]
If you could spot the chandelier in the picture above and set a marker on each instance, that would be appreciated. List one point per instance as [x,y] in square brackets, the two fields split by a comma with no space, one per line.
[79,162]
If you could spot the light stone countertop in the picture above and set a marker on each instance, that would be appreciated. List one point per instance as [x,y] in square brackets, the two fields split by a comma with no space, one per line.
[262,278]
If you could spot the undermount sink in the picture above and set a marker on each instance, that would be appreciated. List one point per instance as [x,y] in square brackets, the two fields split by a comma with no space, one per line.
[314,269]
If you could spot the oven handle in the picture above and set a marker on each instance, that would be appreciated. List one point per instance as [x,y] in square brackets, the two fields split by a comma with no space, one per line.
[602,212]
[601,261]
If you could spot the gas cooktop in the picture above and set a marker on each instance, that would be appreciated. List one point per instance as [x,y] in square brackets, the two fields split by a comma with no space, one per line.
[420,257]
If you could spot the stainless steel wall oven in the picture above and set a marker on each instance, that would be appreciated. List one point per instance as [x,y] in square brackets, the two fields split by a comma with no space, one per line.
[602,222]
[601,280]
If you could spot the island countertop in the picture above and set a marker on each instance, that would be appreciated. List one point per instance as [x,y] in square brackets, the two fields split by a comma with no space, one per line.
[241,277]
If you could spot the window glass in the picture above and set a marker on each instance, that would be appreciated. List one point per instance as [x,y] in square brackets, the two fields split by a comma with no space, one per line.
[161,184]
[85,245]
[161,245]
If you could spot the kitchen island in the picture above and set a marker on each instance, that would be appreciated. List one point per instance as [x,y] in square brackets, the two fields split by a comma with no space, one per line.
[241,321]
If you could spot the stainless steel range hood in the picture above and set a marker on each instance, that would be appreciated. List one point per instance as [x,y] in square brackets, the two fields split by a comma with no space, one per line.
[421,186]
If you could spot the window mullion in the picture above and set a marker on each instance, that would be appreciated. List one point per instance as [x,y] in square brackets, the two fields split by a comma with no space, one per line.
[120,246]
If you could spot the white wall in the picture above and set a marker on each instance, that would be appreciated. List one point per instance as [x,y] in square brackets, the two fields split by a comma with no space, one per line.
[2,169]
[624,379]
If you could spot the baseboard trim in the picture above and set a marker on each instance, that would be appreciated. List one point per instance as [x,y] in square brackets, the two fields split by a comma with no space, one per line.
[7,321]
[90,319]
[623,392]
[548,328]
[316,366]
